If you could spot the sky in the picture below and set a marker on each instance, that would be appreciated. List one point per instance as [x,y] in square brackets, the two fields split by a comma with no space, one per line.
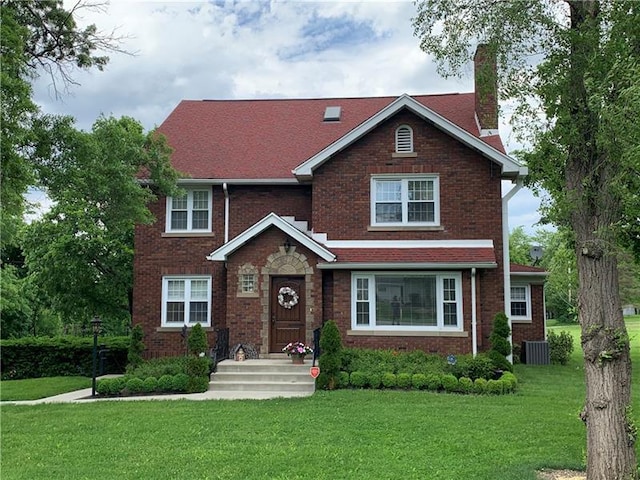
[254,50]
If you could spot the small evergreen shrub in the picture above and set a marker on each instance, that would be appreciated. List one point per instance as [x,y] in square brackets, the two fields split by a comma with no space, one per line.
[136,347]
[419,381]
[466,385]
[135,385]
[330,360]
[434,382]
[117,385]
[450,383]
[389,380]
[197,340]
[198,366]
[197,384]
[560,346]
[499,339]
[495,387]
[102,387]
[404,380]
[180,382]
[479,366]
[165,383]
[343,380]
[480,385]
[510,382]
[358,380]
[150,385]
[374,380]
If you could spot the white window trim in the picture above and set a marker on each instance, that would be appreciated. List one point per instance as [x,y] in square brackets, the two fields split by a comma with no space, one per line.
[440,327]
[405,200]
[527,288]
[187,291]
[398,149]
[189,228]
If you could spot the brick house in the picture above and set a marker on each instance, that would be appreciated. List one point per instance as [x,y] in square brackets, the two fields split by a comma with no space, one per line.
[384,214]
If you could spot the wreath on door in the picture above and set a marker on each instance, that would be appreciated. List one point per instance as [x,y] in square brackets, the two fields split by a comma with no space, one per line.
[292,297]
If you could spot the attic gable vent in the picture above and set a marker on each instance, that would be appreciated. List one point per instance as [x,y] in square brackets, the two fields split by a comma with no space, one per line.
[404,139]
[332,114]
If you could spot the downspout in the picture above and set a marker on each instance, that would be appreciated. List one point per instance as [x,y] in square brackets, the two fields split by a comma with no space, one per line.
[474,319]
[226,212]
[506,265]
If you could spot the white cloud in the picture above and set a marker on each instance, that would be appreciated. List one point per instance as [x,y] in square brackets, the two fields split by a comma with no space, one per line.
[248,49]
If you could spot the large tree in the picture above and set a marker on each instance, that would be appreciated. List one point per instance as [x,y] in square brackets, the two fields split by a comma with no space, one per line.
[573,67]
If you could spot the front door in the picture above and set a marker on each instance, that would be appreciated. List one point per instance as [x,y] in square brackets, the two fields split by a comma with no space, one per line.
[287,312]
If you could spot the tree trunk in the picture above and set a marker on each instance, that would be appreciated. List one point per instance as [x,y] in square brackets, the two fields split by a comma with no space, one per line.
[595,209]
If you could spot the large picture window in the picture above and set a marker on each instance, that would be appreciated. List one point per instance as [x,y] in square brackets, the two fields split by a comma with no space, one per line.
[410,201]
[407,300]
[190,212]
[186,301]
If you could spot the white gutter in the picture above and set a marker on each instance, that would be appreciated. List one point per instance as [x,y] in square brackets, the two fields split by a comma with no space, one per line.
[474,319]
[505,256]
[226,212]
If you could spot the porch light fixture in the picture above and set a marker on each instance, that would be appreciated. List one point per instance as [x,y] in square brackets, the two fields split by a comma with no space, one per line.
[96,323]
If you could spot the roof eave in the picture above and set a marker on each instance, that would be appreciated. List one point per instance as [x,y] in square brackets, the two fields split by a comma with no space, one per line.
[405,265]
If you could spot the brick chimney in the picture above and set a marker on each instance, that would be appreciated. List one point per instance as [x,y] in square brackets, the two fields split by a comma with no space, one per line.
[486,89]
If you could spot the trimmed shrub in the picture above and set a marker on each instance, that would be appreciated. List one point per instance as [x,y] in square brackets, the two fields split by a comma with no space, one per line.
[197,340]
[499,339]
[358,380]
[389,380]
[480,385]
[560,346]
[465,385]
[434,382]
[374,380]
[404,380]
[135,385]
[197,384]
[343,380]
[198,366]
[479,366]
[150,385]
[136,347]
[165,383]
[495,387]
[499,361]
[330,360]
[450,383]
[510,382]
[103,387]
[117,385]
[180,382]
[419,381]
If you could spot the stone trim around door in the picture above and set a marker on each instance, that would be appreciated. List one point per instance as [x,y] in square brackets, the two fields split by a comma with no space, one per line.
[285,263]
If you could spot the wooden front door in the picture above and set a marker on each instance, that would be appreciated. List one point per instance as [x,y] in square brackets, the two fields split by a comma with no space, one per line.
[287,312]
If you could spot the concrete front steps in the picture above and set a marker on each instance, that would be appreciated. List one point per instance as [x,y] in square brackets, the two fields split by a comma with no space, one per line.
[263,378]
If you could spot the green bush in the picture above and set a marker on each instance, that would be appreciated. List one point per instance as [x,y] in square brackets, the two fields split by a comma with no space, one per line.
[419,381]
[465,385]
[165,383]
[150,385]
[330,360]
[434,382]
[343,380]
[374,380]
[450,383]
[499,339]
[135,385]
[197,340]
[196,384]
[495,387]
[479,366]
[117,385]
[560,346]
[136,347]
[404,380]
[158,367]
[510,382]
[180,382]
[358,379]
[480,385]
[102,387]
[389,380]
[35,357]
[198,366]
[499,361]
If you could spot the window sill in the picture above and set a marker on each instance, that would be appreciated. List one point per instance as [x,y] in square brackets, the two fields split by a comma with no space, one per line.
[405,333]
[179,329]
[521,320]
[187,234]
[404,155]
[400,228]
[247,295]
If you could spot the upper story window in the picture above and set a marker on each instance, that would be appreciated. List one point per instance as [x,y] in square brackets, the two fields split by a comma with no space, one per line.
[520,302]
[405,201]
[190,212]
[404,139]
[186,301]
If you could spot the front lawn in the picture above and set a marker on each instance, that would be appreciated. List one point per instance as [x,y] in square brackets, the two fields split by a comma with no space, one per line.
[331,435]
[35,388]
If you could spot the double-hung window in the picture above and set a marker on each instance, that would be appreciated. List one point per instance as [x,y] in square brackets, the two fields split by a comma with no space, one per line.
[190,212]
[407,301]
[405,201]
[186,301]
[520,302]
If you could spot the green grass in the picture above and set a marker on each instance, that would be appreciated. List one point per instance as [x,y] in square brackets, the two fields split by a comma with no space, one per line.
[331,435]
[35,388]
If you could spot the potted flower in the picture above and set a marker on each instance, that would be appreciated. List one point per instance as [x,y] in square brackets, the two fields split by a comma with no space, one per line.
[297,351]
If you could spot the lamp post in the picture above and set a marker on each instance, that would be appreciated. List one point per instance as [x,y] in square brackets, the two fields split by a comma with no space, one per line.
[95,326]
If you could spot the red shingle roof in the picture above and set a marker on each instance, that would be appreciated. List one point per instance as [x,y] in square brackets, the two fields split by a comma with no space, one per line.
[517,268]
[266,139]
